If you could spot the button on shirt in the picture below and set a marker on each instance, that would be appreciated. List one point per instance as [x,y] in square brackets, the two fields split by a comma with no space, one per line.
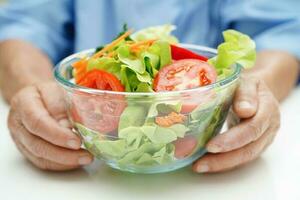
[61,27]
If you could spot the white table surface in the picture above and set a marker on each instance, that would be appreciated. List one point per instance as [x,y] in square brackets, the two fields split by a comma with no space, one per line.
[276,175]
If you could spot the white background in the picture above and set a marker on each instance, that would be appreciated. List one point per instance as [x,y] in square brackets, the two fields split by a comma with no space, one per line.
[276,175]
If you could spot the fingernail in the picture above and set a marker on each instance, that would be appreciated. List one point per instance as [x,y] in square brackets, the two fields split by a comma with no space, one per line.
[74,144]
[213,148]
[202,168]
[84,160]
[245,105]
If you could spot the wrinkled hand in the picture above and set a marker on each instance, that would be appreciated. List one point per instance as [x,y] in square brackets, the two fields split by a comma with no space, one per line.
[39,126]
[258,110]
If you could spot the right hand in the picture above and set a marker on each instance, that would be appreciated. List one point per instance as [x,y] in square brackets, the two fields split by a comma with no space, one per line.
[40,128]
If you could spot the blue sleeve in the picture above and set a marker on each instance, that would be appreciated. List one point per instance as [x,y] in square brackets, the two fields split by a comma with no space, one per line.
[272,24]
[47,24]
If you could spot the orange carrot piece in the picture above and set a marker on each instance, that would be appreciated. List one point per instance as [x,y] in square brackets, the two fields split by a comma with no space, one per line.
[112,44]
[80,68]
[80,63]
[142,43]
[111,54]
[170,119]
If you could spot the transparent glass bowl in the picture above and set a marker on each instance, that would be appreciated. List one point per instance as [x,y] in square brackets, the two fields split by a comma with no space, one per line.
[131,132]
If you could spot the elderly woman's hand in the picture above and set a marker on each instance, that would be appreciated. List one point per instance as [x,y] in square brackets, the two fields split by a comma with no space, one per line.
[39,126]
[258,110]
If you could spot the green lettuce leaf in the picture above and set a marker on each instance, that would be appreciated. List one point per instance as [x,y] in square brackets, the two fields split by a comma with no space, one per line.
[151,61]
[129,79]
[165,155]
[132,116]
[142,145]
[133,70]
[132,63]
[159,135]
[146,159]
[237,48]
[104,63]
[115,148]
[162,32]
[163,50]
[179,130]
[124,74]
[145,77]
[144,87]
[134,156]
[133,137]
[164,108]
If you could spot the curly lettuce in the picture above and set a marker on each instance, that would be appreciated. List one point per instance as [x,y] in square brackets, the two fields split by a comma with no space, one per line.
[236,48]
[162,32]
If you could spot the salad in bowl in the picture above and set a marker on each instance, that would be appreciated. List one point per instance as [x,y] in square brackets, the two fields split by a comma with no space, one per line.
[146,103]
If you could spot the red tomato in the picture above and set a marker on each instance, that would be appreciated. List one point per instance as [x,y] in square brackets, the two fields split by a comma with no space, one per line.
[184,74]
[99,79]
[185,146]
[197,99]
[179,53]
[99,112]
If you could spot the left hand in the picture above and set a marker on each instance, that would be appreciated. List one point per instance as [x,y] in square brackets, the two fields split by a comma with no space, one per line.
[258,110]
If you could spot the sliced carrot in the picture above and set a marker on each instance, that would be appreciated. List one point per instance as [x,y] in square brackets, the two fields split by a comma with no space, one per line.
[112,44]
[111,54]
[170,119]
[80,63]
[142,43]
[135,50]
[80,68]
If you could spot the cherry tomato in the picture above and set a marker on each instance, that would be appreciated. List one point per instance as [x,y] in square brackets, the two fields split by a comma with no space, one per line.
[185,146]
[179,53]
[98,112]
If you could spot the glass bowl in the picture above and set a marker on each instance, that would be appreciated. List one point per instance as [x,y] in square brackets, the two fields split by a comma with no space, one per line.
[133,132]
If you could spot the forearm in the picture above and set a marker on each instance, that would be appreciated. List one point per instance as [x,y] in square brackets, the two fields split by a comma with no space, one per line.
[21,64]
[278,69]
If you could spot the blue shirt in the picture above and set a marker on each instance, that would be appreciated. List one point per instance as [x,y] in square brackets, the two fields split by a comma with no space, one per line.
[60,27]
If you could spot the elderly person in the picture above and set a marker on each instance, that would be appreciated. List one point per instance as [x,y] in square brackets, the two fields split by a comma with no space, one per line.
[37,34]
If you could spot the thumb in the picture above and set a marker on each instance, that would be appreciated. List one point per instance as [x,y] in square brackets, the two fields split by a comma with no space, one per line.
[246,98]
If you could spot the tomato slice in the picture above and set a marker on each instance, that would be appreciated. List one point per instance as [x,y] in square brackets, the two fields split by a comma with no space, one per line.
[99,79]
[185,146]
[197,100]
[98,112]
[179,53]
[185,74]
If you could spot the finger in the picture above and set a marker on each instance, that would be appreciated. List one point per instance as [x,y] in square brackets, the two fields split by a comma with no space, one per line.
[55,103]
[251,129]
[245,100]
[53,99]
[229,160]
[43,163]
[42,149]
[39,122]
